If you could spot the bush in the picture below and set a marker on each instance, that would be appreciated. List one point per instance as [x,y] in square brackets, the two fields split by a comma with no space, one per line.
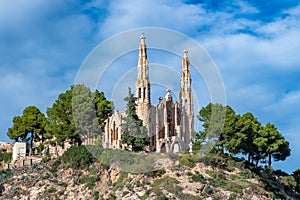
[93,171]
[96,195]
[167,183]
[288,182]
[88,181]
[77,158]
[188,160]
[46,158]
[52,190]
[120,183]
[6,157]
[198,178]
[5,174]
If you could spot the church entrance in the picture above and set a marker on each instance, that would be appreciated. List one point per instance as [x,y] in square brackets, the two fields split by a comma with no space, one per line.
[163,148]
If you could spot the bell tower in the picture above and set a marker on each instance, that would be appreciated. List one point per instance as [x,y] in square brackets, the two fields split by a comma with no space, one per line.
[143,84]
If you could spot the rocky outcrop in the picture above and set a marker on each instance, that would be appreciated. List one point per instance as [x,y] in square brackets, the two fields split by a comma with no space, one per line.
[52,181]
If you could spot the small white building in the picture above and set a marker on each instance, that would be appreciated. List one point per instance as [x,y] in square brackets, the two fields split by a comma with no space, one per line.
[19,150]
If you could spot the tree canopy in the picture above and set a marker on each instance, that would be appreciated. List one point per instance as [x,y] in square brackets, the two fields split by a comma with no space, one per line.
[78,114]
[29,127]
[241,134]
[134,133]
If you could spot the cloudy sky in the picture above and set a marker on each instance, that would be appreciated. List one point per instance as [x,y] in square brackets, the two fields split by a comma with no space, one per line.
[255,46]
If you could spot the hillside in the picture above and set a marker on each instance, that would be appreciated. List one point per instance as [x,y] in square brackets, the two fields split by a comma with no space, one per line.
[184,177]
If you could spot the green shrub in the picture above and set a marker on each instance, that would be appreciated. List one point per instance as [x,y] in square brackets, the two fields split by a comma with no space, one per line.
[289,182]
[198,178]
[88,181]
[189,173]
[247,174]
[46,176]
[232,196]
[96,195]
[77,158]
[208,190]
[214,161]
[162,197]
[63,184]
[120,183]
[46,158]
[6,157]
[216,174]
[54,166]
[189,160]
[5,174]
[168,183]
[93,171]
[52,190]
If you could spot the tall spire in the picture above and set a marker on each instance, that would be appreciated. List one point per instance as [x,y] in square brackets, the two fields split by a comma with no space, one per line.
[186,98]
[143,61]
[143,83]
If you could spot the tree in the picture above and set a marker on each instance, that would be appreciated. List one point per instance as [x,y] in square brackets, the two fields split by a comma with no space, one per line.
[17,131]
[29,127]
[219,124]
[247,130]
[296,175]
[104,108]
[134,133]
[84,113]
[34,122]
[271,143]
[78,112]
[61,123]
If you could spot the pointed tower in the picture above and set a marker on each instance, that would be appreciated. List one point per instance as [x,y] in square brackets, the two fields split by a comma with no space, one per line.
[143,84]
[186,99]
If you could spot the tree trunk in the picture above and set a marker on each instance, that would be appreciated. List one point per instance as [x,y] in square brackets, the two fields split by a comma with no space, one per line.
[270,160]
[30,145]
[249,157]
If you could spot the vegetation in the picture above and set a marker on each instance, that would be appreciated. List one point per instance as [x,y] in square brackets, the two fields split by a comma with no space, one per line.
[241,134]
[78,113]
[5,157]
[134,133]
[29,127]
[77,157]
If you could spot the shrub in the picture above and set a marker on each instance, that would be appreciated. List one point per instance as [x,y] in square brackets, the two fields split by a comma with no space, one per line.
[162,197]
[93,171]
[46,158]
[96,195]
[77,157]
[188,160]
[120,183]
[167,183]
[208,190]
[54,165]
[52,190]
[198,178]
[5,174]
[88,181]
[288,182]
[189,173]
[6,157]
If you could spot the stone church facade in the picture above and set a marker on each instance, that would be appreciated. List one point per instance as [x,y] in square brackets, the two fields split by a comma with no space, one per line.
[169,123]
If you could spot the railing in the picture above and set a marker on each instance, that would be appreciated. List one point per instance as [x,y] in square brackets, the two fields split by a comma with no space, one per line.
[23,162]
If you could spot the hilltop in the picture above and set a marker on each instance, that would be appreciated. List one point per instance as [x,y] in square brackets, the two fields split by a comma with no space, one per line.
[78,175]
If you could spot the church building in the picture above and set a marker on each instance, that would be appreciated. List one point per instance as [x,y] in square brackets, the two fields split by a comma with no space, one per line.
[169,124]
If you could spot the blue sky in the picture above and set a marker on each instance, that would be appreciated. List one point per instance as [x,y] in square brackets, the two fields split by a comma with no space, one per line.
[254,44]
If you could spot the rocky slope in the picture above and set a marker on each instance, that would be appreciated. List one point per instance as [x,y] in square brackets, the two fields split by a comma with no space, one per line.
[183,179]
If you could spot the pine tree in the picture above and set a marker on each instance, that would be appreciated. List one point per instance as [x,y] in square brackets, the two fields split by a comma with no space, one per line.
[134,133]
